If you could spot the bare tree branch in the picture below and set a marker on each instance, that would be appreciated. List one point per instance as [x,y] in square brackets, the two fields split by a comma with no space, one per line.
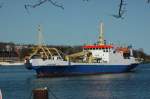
[121,10]
[120,14]
[55,3]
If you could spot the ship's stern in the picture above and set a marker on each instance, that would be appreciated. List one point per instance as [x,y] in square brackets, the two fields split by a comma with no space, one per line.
[27,64]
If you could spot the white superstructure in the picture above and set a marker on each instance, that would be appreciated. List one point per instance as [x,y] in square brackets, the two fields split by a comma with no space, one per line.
[100,54]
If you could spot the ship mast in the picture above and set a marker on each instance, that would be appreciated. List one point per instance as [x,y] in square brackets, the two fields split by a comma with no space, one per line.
[40,37]
[101,36]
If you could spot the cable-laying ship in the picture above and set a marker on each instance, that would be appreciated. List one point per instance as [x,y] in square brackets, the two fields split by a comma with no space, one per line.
[94,59]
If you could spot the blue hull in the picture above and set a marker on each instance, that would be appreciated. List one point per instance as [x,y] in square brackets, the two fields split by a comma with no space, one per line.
[81,69]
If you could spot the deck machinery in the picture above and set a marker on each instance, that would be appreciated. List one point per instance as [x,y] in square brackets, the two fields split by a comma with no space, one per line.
[94,59]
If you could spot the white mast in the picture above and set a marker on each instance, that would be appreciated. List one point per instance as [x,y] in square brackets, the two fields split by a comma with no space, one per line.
[101,36]
[40,37]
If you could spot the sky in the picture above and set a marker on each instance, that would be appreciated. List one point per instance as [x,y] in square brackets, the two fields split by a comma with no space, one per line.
[77,24]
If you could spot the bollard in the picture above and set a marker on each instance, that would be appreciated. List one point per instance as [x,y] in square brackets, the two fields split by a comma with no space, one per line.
[40,93]
[0,94]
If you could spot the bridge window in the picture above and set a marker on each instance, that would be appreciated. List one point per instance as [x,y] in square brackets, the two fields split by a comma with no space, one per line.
[106,49]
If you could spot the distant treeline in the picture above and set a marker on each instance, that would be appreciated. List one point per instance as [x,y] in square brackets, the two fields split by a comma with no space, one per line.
[23,50]
[141,55]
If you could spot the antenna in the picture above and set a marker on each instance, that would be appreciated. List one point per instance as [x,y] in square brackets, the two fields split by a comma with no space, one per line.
[101,36]
[40,37]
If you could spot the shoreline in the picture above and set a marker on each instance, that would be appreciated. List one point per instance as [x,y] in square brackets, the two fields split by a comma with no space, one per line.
[15,63]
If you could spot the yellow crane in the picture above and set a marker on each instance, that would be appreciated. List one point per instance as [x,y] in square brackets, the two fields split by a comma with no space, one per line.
[86,56]
[43,51]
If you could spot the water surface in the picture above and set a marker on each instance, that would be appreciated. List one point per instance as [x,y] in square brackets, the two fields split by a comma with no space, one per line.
[17,83]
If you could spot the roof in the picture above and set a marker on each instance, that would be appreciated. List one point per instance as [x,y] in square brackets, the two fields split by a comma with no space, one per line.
[97,46]
[125,50]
